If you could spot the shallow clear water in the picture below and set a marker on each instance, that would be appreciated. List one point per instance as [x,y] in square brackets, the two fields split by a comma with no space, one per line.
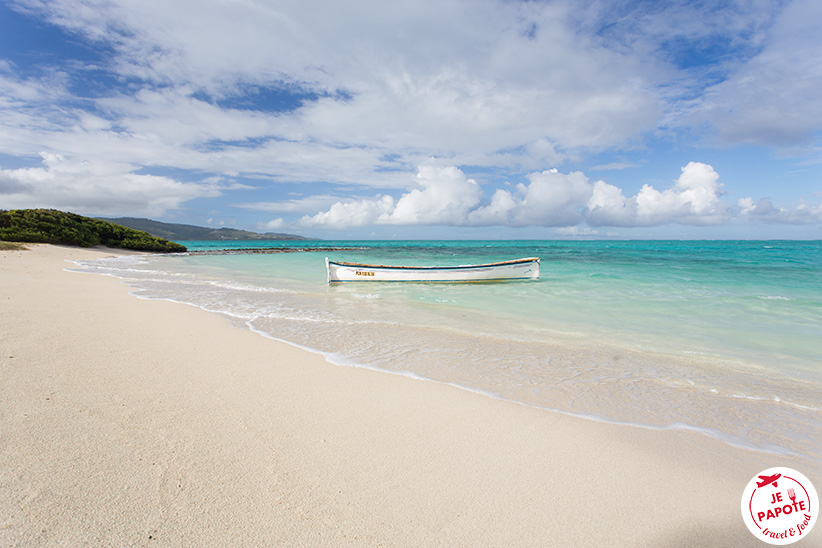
[721,337]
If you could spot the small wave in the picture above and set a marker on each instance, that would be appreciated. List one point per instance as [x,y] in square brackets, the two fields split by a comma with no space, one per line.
[730,439]
[230,314]
[774,298]
[247,287]
[122,272]
[777,399]
[89,271]
[304,316]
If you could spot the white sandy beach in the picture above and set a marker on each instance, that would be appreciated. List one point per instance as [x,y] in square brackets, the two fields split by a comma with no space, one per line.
[128,422]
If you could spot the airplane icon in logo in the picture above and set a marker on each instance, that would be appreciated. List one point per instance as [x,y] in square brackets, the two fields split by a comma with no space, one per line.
[767,480]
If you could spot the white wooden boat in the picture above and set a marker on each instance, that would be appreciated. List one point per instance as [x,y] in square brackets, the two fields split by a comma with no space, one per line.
[519,269]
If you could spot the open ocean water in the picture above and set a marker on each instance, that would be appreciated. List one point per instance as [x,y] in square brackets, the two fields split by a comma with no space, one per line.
[720,337]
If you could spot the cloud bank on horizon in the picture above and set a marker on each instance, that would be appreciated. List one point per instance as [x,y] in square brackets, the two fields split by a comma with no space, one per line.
[574,117]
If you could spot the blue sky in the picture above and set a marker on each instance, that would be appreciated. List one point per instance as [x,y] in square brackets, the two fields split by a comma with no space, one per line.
[419,119]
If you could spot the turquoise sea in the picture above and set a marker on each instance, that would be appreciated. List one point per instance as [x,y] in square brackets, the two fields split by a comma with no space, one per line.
[719,337]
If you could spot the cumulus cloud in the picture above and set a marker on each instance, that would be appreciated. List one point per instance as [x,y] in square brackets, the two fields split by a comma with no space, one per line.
[274,224]
[352,213]
[96,188]
[764,211]
[694,199]
[445,197]
[552,199]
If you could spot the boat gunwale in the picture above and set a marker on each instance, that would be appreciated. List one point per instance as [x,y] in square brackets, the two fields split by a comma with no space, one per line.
[457,267]
[444,281]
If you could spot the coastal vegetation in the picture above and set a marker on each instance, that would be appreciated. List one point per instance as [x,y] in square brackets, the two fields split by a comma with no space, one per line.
[58,227]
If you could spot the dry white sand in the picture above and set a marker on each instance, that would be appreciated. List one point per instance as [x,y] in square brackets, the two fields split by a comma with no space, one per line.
[127,422]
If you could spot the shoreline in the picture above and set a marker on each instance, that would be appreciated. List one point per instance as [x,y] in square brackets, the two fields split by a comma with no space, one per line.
[775,452]
[153,421]
[735,401]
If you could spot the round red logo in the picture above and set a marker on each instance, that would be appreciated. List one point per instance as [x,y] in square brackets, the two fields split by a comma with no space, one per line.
[780,506]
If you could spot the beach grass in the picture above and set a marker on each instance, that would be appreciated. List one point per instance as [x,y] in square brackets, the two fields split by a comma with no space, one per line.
[12,246]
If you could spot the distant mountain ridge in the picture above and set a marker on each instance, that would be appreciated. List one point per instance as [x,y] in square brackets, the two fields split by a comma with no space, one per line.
[176,232]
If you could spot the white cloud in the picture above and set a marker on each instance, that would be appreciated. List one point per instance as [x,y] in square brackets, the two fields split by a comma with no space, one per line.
[168,128]
[774,98]
[499,212]
[550,199]
[445,197]
[295,205]
[764,211]
[274,224]
[352,213]
[609,207]
[615,166]
[95,188]
[174,117]
[473,81]
[694,199]
[19,92]
[540,79]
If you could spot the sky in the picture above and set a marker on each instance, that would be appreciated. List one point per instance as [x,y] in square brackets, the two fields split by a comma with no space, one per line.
[419,119]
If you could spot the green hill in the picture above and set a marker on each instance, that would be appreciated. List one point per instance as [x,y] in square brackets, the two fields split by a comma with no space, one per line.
[58,227]
[177,232]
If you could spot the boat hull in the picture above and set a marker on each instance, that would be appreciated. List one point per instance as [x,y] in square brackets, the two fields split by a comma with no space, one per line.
[520,269]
